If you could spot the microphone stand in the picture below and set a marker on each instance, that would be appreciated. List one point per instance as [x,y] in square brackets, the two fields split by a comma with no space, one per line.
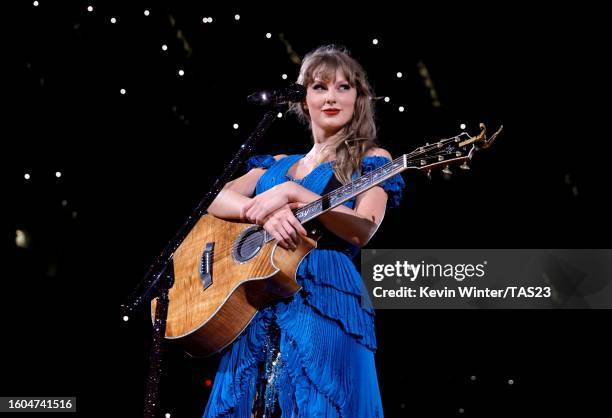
[160,277]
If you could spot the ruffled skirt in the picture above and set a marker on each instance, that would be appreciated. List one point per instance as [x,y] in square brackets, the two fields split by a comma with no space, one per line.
[323,365]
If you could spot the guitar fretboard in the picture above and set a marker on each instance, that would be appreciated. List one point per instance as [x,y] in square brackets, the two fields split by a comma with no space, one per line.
[350,190]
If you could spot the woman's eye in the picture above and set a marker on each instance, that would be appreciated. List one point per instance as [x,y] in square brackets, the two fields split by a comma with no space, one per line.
[323,87]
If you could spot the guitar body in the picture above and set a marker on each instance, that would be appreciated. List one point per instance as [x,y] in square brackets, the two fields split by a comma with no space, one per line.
[217,293]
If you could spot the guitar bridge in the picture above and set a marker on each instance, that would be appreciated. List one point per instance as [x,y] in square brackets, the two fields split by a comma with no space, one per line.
[206,264]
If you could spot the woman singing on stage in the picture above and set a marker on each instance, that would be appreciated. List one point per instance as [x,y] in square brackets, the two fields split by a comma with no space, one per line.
[312,355]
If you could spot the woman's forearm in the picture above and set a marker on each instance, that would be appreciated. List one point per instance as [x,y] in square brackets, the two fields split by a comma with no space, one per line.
[341,220]
[228,204]
[349,225]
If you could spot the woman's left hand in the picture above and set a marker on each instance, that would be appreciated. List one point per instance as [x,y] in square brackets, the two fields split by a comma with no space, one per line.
[257,210]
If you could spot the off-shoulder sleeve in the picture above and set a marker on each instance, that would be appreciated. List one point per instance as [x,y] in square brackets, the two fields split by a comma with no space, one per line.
[260,161]
[394,186]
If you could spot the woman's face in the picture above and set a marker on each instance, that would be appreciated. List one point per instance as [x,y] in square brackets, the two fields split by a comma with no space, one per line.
[330,104]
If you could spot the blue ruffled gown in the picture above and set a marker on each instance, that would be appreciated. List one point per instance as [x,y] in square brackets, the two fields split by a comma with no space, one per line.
[324,360]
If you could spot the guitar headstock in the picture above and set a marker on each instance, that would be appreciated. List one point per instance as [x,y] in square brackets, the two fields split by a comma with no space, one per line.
[451,151]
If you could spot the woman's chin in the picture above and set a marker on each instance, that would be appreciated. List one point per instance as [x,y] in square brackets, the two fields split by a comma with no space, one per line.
[331,128]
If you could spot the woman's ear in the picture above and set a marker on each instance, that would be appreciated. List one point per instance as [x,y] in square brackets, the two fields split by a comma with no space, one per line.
[305,107]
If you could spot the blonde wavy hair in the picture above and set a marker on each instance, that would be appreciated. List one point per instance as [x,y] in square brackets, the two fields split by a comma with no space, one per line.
[359,134]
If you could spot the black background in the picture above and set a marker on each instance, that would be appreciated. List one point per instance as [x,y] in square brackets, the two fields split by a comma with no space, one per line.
[133,166]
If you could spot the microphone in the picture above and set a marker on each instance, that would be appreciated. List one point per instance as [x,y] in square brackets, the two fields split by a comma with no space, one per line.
[293,93]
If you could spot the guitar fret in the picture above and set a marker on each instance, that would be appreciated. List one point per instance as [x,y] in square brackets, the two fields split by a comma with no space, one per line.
[309,211]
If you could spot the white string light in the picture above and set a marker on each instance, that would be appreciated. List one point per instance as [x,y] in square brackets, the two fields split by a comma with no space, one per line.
[462,126]
[279,115]
[113,20]
[90,8]
[146,12]
[122,91]
[268,35]
[284,76]
[58,174]
[164,47]
[235,126]
[35,4]
[21,239]
[375,41]
[401,108]
[399,74]
[26,176]
[181,73]
[237,17]
[387,99]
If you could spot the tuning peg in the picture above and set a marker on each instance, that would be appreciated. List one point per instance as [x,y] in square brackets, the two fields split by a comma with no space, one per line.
[446,173]
[464,166]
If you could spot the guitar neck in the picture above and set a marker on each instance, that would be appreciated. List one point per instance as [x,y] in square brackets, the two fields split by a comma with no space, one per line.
[454,150]
[443,153]
[350,190]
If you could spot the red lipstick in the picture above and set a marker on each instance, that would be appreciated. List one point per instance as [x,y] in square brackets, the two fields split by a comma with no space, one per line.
[331,112]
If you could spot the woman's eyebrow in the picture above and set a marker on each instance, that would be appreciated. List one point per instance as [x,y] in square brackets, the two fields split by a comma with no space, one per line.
[336,81]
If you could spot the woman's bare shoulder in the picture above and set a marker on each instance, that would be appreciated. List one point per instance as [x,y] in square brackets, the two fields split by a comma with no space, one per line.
[378,152]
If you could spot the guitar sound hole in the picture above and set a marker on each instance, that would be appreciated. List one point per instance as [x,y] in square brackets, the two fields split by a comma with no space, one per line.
[249,243]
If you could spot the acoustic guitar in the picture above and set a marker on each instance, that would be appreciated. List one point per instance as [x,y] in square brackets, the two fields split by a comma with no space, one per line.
[225,271]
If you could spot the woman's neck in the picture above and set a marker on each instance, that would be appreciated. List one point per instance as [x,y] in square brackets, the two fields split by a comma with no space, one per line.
[320,147]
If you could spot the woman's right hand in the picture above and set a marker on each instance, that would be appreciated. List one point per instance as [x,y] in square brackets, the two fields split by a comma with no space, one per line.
[284,226]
